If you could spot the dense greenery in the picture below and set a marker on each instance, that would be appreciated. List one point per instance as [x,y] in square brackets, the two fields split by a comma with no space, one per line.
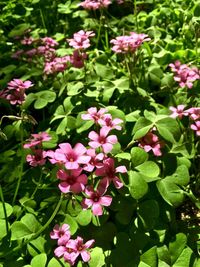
[153,89]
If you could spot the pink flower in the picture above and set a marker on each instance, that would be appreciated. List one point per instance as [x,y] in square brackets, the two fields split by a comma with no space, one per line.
[184,74]
[15,91]
[48,41]
[102,140]
[67,253]
[95,160]
[17,84]
[81,39]
[37,139]
[107,121]
[196,127]
[108,171]
[72,181]
[27,41]
[128,43]
[178,112]
[93,114]
[151,142]
[95,4]
[72,158]
[80,248]
[56,65]
[61,233]
[37,159]
[77,59]
[96,199]
[194,113]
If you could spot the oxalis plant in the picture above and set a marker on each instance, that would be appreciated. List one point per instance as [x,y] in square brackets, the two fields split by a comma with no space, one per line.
[99,133]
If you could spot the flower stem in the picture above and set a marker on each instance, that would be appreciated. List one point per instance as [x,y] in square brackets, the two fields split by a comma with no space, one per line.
[4,210]
[21,163]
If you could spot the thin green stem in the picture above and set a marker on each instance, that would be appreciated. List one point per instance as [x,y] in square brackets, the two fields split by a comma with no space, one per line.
[42,17]
[37,186]
[4,210]
[21,163]
[39,232]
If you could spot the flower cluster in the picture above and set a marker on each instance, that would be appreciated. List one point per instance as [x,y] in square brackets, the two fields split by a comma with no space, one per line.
[151,142]
[193,113]
[44,48]
[128,43]
[68,248]
[95,4]
[15,91]
[184,74]
[90,170]
[38,156]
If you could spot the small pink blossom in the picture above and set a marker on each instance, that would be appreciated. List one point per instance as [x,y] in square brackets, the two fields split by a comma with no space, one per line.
[95,160]
[194,113]
[61,233]
[56,65]
[95,4]
[78,58]
[71,157]
[96,199]
[107,121]
[67,253]
[37,139]
[94,115]
[151,142]
[72,181]
[128,43]
[196,127]
[178,112]
[108,171]
[80,248]
[81,39]
[48,41]
[15,91]
[184,74]
[36,159]
[27,40]
[102,140]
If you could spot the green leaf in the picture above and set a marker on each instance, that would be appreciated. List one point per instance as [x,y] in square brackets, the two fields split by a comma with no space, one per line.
[37,246]
[149,168]
[181,176]
[163,255]
[20,230]
[43,98]
[82,125]
[185,258]
[39,260]
[148,213]
[143,264]
[149,257]
[103,71]
[176,246]
[19,29]
[9,210]
[124,155]
[31,222]
[72,223]
[97,258]
[74,88]
[55,262]
[168,128]
[170,192]
[3,231]
[84,217]
[141,128]
[138,156]
[138,186]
